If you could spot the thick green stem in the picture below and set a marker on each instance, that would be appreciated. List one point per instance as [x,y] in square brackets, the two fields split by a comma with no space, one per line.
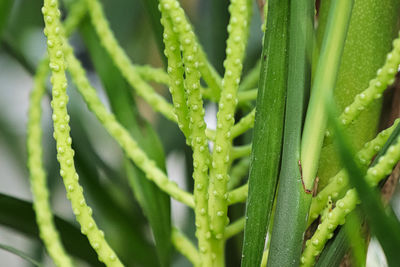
[372,28]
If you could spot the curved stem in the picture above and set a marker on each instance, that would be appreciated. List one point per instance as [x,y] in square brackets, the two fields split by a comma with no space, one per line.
[234,228]
[41,203]
[246,123]
[124,64]
[121,135]
[240,151]
[335,188]
[197,139]
[65,154]
[238,195]
[185,247]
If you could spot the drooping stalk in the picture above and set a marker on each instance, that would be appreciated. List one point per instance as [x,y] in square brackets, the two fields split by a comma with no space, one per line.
[41,203]
[123,62]
[65,154]
[154,202]
[333,253]
[120,134]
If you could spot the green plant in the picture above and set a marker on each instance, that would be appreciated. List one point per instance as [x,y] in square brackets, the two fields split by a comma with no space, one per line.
[286,97]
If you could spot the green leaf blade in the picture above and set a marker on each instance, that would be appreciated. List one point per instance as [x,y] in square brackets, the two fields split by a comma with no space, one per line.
[292,200]
[268,131]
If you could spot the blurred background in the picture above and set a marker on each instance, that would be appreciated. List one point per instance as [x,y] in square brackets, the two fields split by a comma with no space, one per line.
[99,160]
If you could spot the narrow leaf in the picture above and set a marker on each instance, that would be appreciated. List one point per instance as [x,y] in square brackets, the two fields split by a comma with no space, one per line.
[268,131]
[292,200]
[20,254]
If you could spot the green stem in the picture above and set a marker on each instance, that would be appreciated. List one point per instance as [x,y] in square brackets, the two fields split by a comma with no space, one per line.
[65,154]
[247,95]
[185,247]
[240,151]
[238,195]
[234,228]
[41,203]
[121,135]
[198,141]
[335,188]
[244,124]
[238,171]
[240,11]
[124,64]
[323,84]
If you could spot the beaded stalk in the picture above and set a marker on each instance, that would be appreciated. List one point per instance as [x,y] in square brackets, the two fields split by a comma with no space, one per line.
[347,204]
[175,73]
[120,134]
[197,126]
[38,180]
[340,181]
[236,44]
[41,203]
[384,77]
[209,74]
[65,154]
[123,62]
